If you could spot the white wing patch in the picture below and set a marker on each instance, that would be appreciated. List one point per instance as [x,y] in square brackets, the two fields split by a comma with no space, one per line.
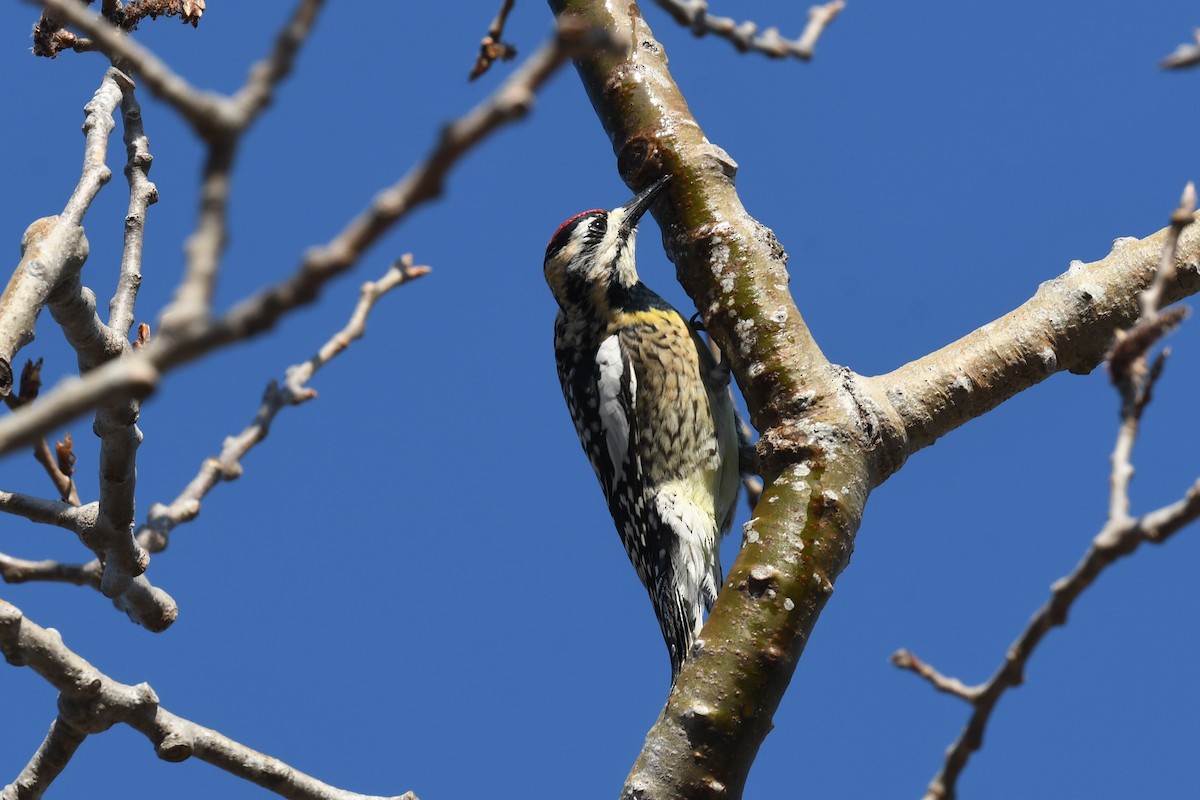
[614,421]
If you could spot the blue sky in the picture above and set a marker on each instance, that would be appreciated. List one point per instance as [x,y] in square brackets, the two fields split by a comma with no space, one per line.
[415,585]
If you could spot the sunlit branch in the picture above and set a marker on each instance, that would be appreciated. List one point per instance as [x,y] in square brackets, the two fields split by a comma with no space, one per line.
[746,36]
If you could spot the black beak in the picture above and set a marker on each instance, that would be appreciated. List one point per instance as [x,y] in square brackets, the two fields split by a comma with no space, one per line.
[639,205]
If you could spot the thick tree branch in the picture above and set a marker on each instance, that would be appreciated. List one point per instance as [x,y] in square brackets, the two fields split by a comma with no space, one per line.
[1119,537]
[1067,325]
[826,440]
[812,455]
[92,702]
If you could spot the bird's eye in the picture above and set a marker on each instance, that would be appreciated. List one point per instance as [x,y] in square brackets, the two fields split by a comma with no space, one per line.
[597,226]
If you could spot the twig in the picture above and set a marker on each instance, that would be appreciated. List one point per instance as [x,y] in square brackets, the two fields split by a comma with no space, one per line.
[91,702]
[210,114]
[158,608]
[1185,55]
[188,11]
[55,463]
[59,465]
[694,14]
[162,519]
[491,48]
[19,570]
[952,686]
[80,520]
[50,759]
[50,38]
[192,302]
[142,194]
[1113,542]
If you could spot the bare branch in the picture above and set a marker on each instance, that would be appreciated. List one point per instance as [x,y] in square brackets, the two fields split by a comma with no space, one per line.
[81,520]
[145,604]
[1114,541]
[138,373]
[91,702]
[188,11]
[1119,537]
[19,570]
[267,74]
[142,194]
[209,114]
[59,466]
[745,37]
[59,242]
[1067,325]
[50,248]
[491,48]
[162,519]
[50,759]
[905,659]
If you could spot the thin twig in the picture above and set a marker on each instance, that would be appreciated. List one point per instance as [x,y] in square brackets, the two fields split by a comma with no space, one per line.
[48,762]
[154,535]
[210,114]
[265,76]
[142,194]
[1185,55]
[746,37]
[491,48]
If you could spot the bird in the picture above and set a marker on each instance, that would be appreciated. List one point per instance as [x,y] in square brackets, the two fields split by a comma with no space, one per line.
[653,412]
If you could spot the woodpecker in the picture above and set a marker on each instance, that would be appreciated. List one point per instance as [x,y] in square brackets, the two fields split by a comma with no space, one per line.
[652,410]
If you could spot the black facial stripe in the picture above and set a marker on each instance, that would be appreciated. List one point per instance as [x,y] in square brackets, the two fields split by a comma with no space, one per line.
[567,230]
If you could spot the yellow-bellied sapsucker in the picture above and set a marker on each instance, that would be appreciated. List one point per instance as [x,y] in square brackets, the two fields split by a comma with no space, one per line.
[652,410]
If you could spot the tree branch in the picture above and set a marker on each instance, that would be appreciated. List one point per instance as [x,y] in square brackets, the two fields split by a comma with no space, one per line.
[209,114]
[1119,537]
[138,372]
[1185,55]
[491,48]
[745,37]
[142,194]
[813,461]
[1067,325]
[149,606]
[92,702]
[47,763]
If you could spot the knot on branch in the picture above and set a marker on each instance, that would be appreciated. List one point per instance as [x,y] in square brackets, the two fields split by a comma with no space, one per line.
[642,157]
[763,580]
[784,445]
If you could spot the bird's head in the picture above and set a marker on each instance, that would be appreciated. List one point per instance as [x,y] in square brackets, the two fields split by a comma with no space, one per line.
[592,252]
